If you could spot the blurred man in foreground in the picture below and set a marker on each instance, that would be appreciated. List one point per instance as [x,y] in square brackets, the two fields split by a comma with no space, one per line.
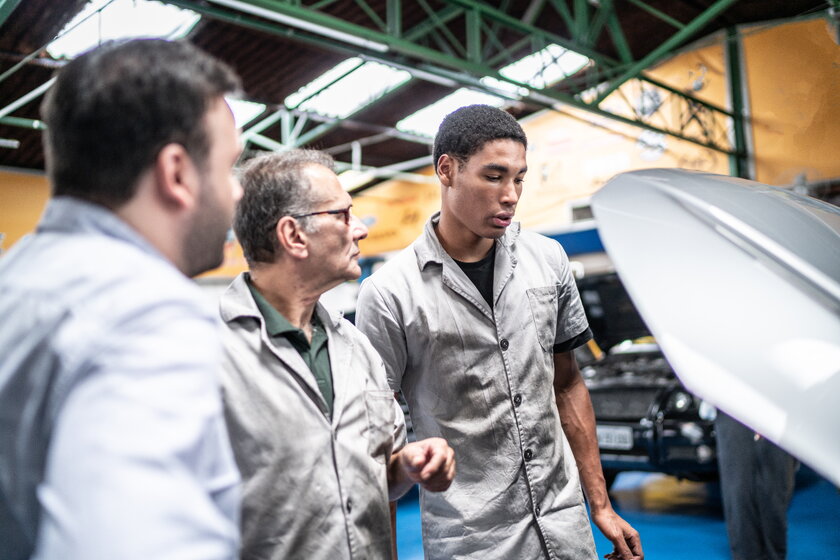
[112,439]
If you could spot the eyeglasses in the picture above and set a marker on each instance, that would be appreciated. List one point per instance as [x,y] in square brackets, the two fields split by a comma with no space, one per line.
[344,213]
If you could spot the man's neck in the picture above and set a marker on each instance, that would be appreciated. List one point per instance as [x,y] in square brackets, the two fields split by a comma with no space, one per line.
[460,244]
[288,294]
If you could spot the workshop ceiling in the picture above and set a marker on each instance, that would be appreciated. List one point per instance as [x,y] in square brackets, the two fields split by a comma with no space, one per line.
[277,47]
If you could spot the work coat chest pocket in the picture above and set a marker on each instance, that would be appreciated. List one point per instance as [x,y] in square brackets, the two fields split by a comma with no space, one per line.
[543,303]
[380,417]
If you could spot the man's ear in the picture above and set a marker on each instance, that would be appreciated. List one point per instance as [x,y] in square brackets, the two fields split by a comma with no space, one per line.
[292,238]
[446,166]
[177,179]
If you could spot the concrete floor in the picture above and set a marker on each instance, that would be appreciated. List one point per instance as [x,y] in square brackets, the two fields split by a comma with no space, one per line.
[682,520]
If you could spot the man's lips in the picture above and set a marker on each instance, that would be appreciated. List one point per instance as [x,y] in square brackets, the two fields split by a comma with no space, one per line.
[502,219]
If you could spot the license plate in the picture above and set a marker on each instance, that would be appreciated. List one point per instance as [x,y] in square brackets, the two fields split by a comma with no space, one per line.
[615,437]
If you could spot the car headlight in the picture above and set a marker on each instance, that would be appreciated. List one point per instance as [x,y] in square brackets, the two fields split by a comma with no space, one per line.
[692,432]
[680,401]
[705,454]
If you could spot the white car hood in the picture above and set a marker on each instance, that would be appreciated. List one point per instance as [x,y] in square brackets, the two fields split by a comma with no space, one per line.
[740,284]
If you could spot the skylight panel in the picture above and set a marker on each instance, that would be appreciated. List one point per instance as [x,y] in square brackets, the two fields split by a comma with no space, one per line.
[545,67]
[504,88]
[539,70]
[244,111]
[121,19]
[427,120]
[348,87]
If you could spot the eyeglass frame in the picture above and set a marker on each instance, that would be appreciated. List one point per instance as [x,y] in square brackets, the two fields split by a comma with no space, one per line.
[345,211]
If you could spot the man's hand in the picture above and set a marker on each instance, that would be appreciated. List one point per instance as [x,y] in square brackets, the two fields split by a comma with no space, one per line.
[429,462]
[625,539]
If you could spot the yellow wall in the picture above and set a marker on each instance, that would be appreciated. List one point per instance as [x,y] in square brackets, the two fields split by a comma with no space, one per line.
[23,197]
[794,83]
[570,156]
[22,200]
[395,212]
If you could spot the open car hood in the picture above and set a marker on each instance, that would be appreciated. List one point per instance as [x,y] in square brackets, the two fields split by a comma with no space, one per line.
[740,284]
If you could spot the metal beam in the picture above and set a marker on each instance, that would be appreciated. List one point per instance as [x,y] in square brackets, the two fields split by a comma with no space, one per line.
[395,171]
[19,122]
[532,11]
[673,42]
[268,143]
[304,19]
[519,26]
[404,53]
[619,40]
[605,13]
[34,94]
[390,134]
[394,18]
[562,9]
[657,13]
[738,163]
[6,9]
[265,123]
[473,36]
[581,27]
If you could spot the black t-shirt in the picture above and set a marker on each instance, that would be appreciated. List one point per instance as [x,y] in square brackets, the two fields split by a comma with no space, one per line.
[481,274]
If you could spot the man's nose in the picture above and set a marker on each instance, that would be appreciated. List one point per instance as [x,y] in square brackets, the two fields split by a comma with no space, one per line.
[358,227]
[510,193]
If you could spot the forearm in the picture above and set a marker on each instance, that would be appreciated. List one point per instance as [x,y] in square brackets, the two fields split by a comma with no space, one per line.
[578,420]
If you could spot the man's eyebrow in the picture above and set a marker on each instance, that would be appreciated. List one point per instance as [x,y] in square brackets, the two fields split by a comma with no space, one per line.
[502,168]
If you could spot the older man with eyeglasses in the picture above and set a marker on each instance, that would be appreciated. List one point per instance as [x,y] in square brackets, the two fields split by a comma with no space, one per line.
[317,434]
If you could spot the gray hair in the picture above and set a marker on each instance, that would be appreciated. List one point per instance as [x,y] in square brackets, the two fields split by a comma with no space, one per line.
[274,186]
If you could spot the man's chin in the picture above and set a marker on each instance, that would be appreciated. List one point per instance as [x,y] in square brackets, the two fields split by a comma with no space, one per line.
[495,232]
[208,265]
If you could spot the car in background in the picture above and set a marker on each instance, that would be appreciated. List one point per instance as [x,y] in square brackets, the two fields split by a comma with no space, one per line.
[646,419]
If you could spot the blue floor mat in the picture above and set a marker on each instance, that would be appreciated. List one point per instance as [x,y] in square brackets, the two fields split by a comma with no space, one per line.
[682,520]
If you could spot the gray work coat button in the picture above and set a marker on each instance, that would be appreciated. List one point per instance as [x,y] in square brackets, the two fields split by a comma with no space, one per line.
[504,344]
[517,399]
[528,454]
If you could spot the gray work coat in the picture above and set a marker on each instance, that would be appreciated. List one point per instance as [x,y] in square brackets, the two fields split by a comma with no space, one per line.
[482,378]
[313,487]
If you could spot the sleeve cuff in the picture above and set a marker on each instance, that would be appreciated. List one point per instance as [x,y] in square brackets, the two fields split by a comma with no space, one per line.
[574,342]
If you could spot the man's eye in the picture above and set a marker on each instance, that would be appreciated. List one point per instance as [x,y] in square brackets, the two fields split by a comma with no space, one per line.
[519,181]
[494,178]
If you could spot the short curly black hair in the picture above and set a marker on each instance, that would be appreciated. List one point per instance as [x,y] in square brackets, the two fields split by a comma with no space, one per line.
[464,131]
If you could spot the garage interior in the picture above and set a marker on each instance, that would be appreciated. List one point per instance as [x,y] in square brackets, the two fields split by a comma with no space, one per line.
[677,83]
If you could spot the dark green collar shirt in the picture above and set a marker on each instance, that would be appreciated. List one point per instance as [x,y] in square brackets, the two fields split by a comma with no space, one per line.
[315,354]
